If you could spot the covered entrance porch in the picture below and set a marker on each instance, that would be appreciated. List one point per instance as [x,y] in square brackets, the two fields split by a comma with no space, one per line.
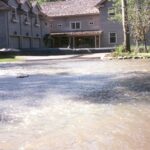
[84,39]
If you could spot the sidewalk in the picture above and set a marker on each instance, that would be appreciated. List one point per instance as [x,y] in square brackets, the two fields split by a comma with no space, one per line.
[88,56]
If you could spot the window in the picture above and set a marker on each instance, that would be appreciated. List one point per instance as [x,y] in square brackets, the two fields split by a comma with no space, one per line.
[14,15]
[59,25]
[75,25]
[112,38]
[51,25]
[111,11]
[26,18]
[91,22]
[37,21]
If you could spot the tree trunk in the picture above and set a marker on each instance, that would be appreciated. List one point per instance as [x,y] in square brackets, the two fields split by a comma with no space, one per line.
[126,26]
[145,43]
[137,45]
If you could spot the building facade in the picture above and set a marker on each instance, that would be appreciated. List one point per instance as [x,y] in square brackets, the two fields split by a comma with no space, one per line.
[66,24]
[22,24]
[83,24]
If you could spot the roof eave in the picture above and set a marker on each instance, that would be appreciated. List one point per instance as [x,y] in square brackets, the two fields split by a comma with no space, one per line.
[73,15]
[100,4]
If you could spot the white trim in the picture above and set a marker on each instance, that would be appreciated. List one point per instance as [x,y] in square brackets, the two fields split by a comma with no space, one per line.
[109,38]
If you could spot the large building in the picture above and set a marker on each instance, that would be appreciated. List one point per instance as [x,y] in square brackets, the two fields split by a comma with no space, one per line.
[82,24]
[67,24]
[22,24]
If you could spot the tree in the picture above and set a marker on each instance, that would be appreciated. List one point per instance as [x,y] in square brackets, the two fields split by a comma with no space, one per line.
[125,22]
[134,15]
[139,21]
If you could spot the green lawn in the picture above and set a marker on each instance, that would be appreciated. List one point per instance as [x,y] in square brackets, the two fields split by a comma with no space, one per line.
[15,59]
[143,54]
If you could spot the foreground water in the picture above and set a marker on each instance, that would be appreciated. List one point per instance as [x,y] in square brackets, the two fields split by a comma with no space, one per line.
[75,105]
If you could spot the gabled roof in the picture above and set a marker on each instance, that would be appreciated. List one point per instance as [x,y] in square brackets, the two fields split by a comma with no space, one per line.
[25,1]
[3,6]
[6,1]
[36,4]
[101,3]
[70,8]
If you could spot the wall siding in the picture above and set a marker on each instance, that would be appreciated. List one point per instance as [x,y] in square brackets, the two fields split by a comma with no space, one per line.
[107,26]
[65,21]
[3,29]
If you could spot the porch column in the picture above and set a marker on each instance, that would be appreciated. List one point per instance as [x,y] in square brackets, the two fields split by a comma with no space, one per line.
[69,44]
[73,42]
[99,40]
[95,41]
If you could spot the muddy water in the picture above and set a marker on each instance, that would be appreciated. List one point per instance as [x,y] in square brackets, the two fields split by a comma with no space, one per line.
[78,105]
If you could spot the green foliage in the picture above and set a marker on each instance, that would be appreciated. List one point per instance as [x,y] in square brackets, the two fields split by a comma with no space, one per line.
[138,19]
[9,59]
[118,12]
[140,49]
[119,50]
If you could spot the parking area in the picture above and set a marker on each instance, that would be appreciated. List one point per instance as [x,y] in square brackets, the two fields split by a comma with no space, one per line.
[75,104]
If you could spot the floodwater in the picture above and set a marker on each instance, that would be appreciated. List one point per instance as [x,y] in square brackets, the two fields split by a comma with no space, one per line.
[75,104]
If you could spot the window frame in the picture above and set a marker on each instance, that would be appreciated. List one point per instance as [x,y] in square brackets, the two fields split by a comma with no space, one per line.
[26,19]
[59,25]
[37,20]
[109,14]
[14,15]
[91,23]
[75,22]
[110,38]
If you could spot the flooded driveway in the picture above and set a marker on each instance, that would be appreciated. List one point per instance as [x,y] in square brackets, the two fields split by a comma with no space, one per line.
[75,104]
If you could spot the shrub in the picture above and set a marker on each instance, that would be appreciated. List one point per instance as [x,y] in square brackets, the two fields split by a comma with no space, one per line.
[119,50]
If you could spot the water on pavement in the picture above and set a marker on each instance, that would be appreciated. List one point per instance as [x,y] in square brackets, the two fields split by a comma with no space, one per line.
[75,105]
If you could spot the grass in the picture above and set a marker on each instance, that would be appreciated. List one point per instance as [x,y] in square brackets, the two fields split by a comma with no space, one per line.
[13,59]
[119,52]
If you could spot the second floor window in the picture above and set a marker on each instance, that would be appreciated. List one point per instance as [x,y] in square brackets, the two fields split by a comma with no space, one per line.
[111,11]
[75,25]
[51,25]
[91,22]
[59,25]
[14,15]
[37,21]
[26,18]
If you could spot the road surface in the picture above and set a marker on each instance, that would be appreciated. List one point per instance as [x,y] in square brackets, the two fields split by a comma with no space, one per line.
[75,104]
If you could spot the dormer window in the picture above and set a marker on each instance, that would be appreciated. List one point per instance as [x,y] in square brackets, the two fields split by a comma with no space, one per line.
[111,12]
[14,15]
[26,18]
[37,22]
